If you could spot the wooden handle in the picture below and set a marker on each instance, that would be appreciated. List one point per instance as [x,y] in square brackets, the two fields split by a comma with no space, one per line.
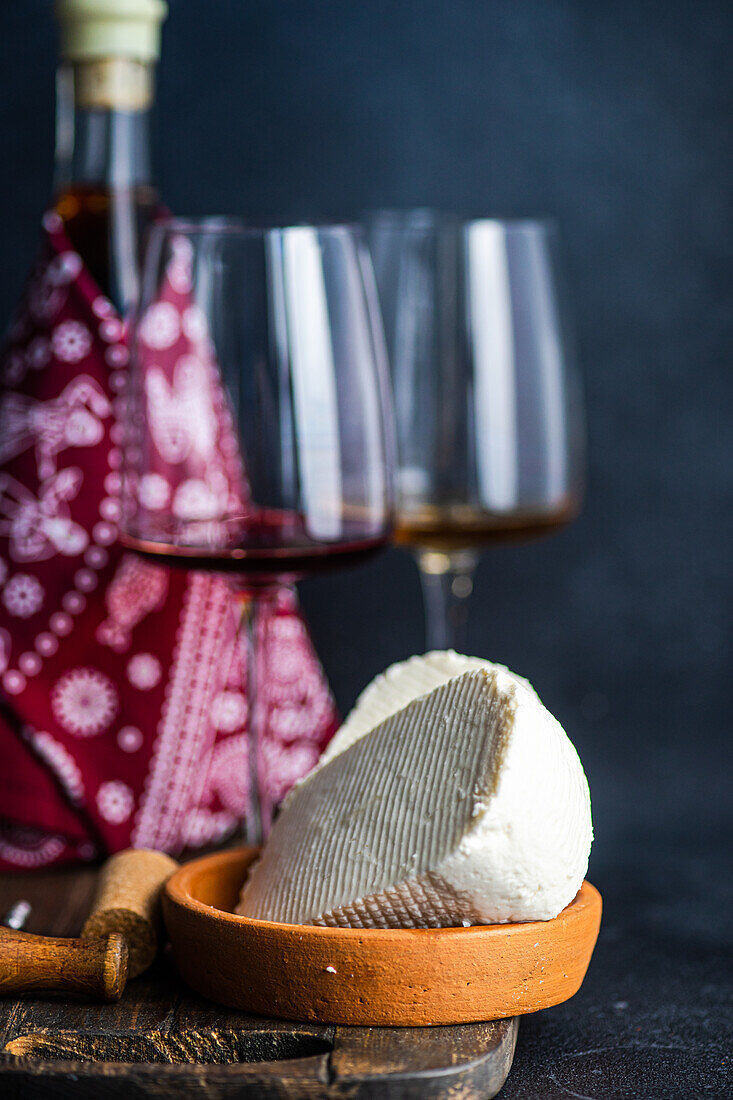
[127,902]
[94,968]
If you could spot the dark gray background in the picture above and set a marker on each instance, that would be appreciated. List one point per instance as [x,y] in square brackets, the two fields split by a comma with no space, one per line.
[614,118]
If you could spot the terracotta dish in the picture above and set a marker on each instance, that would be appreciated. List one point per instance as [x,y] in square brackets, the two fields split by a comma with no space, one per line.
[369,977]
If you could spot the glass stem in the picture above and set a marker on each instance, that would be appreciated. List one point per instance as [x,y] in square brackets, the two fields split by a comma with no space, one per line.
[447,583]
[254,604]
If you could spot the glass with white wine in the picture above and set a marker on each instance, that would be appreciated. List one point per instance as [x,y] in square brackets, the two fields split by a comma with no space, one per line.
[490,425]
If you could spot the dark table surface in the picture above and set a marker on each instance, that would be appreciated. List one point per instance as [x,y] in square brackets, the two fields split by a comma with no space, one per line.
[654,1018]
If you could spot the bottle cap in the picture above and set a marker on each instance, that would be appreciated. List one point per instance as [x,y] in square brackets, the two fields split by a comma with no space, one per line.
[110,28]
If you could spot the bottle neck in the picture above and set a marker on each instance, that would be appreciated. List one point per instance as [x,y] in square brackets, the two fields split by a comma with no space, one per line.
[103,189]
[102,127]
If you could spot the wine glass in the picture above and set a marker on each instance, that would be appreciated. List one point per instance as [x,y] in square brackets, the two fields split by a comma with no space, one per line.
[259,418]
[490,430]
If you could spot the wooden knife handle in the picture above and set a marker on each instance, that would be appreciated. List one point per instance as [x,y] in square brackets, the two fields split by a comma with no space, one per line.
[94,968]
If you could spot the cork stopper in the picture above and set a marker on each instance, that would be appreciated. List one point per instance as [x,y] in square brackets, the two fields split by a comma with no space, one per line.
[93,29]
[127,903]
[113,83]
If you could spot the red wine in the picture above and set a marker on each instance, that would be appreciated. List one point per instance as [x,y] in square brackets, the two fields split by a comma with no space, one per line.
[270,544]
[284,563]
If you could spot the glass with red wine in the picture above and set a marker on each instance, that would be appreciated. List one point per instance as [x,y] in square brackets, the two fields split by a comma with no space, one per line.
[489,416]
[259,417]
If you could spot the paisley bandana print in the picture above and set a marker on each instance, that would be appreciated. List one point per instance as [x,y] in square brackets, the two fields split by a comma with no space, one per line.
[123,702]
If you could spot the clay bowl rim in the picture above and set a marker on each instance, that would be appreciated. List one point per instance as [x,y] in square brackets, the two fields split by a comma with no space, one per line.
[177,895]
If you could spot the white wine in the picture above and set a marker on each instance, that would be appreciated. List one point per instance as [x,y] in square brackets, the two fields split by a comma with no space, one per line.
[461,527]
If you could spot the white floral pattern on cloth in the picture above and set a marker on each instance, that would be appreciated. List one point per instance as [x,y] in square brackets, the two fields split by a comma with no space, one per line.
[136,589]
[194,466]
[137,757]
[64,269]
[115,801]
[41,527]
[160,326]
[230,770]
[71,341]
[197,501]
[85,702]
[283,764]
[154,492]
[144,671]
[180,413]
[296,708]
[73,419]
[27,849]
[61,762]
[180,272]
[30,664]
[193,323]
[229,711]
[186,737]
[229,775]
[23,595]
[204,827]
[130,738]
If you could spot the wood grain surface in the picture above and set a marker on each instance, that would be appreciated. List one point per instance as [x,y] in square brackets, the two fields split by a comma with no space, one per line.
[161,1041]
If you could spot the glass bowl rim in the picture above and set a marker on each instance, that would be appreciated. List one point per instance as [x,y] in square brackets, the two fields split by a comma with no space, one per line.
[435,216]
[235,226]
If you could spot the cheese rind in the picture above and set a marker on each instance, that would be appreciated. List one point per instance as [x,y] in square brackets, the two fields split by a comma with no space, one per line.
[468,805]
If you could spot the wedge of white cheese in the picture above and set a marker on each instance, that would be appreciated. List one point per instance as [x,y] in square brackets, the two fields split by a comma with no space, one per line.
[468,805]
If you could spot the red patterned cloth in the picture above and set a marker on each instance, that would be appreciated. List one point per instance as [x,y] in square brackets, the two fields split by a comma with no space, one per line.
[124,709]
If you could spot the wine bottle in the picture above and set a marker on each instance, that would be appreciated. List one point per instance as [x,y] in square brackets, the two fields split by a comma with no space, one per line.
[103,187]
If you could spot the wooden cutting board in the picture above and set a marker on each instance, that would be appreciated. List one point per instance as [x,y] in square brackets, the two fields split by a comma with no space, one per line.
[163,1041]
